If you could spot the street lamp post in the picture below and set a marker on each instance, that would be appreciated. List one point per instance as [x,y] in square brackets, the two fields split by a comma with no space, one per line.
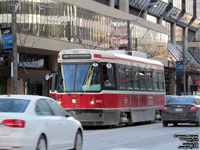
[14,34]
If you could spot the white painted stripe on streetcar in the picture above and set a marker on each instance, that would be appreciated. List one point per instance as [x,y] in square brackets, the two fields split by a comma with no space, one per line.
[117,92]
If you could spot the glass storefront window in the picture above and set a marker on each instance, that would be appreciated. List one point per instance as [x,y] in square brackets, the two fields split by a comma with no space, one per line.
[177,4]
[198,8]
[57,20]
[189,6]
[179,34]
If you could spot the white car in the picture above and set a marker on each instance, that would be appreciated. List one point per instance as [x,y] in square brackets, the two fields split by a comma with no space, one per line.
[30,122]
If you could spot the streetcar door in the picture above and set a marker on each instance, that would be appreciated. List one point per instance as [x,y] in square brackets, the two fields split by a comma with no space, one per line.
[108,85]
[108,71]
[125,85]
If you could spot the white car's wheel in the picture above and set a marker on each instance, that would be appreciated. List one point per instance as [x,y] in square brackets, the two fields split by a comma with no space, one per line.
[78,144]
[42,145]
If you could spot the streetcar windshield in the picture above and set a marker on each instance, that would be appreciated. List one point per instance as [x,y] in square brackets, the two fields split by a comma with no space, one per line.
[79,77]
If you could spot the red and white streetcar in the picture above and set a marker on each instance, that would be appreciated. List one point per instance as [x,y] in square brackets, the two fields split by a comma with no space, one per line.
[108,88]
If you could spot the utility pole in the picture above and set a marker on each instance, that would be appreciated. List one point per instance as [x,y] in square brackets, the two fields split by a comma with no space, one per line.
[136,44]
[14,34]
[129,35]
[184,69]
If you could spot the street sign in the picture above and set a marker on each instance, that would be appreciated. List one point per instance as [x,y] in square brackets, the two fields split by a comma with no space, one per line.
[6,39]
[179,66]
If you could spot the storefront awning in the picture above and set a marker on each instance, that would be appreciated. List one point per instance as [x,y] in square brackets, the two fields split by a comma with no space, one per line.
[195,53]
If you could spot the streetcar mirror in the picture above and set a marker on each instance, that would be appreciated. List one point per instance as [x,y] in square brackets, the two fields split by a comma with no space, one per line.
[47,77]
[95,64]
[109,66]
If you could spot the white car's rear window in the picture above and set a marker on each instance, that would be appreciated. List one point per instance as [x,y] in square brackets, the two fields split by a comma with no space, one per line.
[13,105]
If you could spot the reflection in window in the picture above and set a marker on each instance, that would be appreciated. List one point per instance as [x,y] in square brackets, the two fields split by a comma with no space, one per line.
[177,4]
[125,77]
[149,80]
[136,80]
[161,81]
[42,108]
[139,80]
[57,110]
[79,77]
[13,105]
[86,27]
[142,78]
[189,7]
[116,3]
[68,73]
[179,34]
[108,75]
[92,80]
[155,80]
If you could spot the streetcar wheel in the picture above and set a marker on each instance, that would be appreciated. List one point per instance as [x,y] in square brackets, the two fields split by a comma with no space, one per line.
[42,144]
[78,144]
[165,123]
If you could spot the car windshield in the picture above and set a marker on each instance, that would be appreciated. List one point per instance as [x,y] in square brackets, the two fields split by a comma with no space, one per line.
[79,77]
[13,105]
[181,100]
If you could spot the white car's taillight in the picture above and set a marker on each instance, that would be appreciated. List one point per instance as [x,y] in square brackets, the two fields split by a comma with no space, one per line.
[15,123]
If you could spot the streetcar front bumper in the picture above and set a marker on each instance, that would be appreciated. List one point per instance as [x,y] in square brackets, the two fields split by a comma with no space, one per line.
[95,117]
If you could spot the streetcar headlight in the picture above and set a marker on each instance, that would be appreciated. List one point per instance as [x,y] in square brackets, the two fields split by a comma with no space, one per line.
[59,102]
[73,101]
[92,101]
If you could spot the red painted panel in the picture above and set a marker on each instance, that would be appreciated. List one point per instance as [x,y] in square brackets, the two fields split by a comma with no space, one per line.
[134,100]
[123,100]
[109,100]
[142,101]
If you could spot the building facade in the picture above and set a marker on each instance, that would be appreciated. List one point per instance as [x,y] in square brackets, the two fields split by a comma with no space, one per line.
[44,27]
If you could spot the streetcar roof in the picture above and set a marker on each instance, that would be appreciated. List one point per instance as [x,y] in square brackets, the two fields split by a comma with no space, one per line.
[110,55]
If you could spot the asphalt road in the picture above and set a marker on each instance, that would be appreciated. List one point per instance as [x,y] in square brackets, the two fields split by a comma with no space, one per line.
[142,137]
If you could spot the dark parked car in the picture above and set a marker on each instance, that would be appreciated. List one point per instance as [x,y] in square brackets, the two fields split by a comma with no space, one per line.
[181,109]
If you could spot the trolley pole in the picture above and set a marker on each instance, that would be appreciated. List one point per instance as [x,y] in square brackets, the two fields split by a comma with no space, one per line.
[14,34]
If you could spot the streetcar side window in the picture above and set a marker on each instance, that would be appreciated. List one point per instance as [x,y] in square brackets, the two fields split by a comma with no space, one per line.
[149,80]
[161,80]
[129,78]
[125,77]
[108,76]
[155,81]
[136,79]
[142,79]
